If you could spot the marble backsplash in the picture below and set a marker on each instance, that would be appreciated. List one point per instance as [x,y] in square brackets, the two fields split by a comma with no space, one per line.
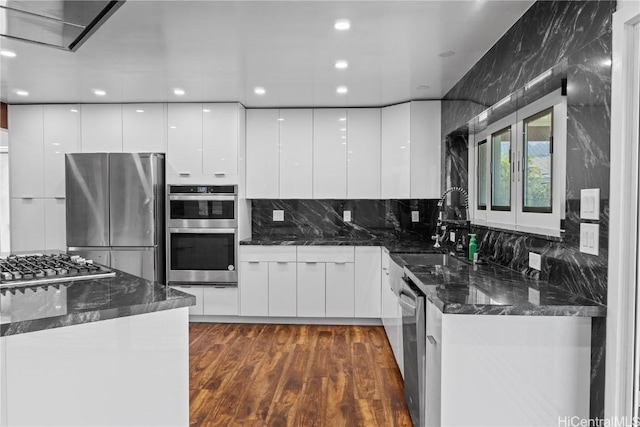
[314,219]
[550,32]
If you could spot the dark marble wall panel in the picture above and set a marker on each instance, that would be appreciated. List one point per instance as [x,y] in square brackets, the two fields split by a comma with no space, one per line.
[312,219]
[550,32]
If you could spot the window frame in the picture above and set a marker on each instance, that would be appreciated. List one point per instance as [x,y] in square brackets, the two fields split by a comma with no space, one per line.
[519,219]
[524,162]
[480,207]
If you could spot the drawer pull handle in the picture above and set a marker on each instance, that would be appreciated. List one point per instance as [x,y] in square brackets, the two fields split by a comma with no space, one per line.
[341,262]
[432,340]
[310,262]
[185,173]
[219,173]
[254,262]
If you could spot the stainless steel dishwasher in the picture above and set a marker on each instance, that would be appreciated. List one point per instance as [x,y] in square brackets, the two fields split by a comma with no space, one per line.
[412,301]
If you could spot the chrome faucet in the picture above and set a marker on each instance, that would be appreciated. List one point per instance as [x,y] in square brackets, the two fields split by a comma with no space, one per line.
[440,224]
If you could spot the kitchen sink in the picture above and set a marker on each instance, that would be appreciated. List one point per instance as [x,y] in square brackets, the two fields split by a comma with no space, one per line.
[430,259]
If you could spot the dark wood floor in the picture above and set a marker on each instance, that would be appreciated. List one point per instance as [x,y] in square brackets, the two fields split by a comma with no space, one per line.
[293,375]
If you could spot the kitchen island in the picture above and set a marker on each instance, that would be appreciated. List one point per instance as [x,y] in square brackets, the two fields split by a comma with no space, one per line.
[109,351]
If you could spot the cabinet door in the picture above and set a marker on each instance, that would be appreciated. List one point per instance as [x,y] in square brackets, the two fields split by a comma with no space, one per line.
[368,290]
[396,152]
[61,134]
[263,156]
[27,224]
[143,129]
[222,301]
[330,153]
[197,291]
[254,288]
[425,150]
[184,140]
[26,156]
[363,159]
[296,137]
[220,140]
[101,128]
[55,224]
[340,290]
[311,289]
[282,289]
[434,365]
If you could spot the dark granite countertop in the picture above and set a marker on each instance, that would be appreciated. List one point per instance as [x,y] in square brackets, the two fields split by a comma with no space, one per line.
[393,244]
[465,288]
[40,307]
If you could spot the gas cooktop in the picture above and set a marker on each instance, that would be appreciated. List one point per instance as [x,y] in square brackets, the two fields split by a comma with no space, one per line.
[35,269]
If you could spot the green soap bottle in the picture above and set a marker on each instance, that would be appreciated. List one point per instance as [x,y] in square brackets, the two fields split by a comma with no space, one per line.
[473,246]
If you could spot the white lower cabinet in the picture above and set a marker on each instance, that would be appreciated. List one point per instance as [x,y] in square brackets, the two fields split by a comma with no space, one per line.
[368,289]
[196,291]
[254,288]
[391,311]
[340,289]
[220,300]
[282,289]
[311,289]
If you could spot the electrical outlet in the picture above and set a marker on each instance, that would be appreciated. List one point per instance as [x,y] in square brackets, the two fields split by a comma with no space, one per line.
[589,238]
[278,215]
[452,236]
[415,216]
[590,203]
[534,296]
[535,261]
[346,216]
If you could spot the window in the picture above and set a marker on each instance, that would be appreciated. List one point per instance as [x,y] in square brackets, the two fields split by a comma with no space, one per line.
[519,176]
[538,151]
[501,170]
[482,175]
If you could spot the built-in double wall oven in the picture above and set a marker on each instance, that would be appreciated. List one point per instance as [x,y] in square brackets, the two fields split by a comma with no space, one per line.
[202,234]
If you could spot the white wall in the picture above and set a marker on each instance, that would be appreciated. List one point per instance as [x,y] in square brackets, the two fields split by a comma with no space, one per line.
[5,236]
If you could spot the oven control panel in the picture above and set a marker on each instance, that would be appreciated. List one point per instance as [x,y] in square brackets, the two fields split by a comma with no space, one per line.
[202,189]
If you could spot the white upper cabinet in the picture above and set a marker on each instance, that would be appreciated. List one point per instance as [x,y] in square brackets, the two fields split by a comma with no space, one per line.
[330,153]
[296,153]
[61,135]
[26,154]
[184,140]
[220,130]
[101,128]
[425,150]
[363,157]
[143,129]
[263,157]
[396,152]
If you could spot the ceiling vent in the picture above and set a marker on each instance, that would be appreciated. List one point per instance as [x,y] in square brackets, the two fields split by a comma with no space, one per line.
[55,23]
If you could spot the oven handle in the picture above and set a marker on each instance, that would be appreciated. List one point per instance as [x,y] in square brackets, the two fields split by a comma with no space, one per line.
[202,230]
[203,197]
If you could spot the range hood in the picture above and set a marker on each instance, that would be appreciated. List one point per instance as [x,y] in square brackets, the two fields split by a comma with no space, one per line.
[63,24]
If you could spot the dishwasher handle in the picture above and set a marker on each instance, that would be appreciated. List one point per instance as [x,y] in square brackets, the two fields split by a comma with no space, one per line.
[405,301]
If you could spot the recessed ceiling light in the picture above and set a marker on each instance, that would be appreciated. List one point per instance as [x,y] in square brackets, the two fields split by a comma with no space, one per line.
[280,119]
[22,92]
[342,64]
[8,53]
[178,91]
[342,24]
[342,89]
[206,111]
[422,87]
[99,92]
[172,127]
[139,111]
[343,119]
[446,54]
[73,110]
[259,91]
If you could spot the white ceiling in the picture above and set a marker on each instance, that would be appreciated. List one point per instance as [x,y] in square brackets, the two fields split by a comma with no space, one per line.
[220,50]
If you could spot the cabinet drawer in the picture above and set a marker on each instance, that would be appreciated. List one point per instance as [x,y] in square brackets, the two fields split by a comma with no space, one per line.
[196,291]
[220,301]
[326,254]
[267,253]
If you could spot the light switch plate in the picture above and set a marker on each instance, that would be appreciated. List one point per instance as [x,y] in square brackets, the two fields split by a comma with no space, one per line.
[415,216]
[346,216]
[590,203]
[589,238]
[535,261]
[452,236]
[278,215]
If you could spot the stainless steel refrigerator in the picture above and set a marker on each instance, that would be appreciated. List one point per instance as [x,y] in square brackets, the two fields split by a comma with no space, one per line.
[115,210]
